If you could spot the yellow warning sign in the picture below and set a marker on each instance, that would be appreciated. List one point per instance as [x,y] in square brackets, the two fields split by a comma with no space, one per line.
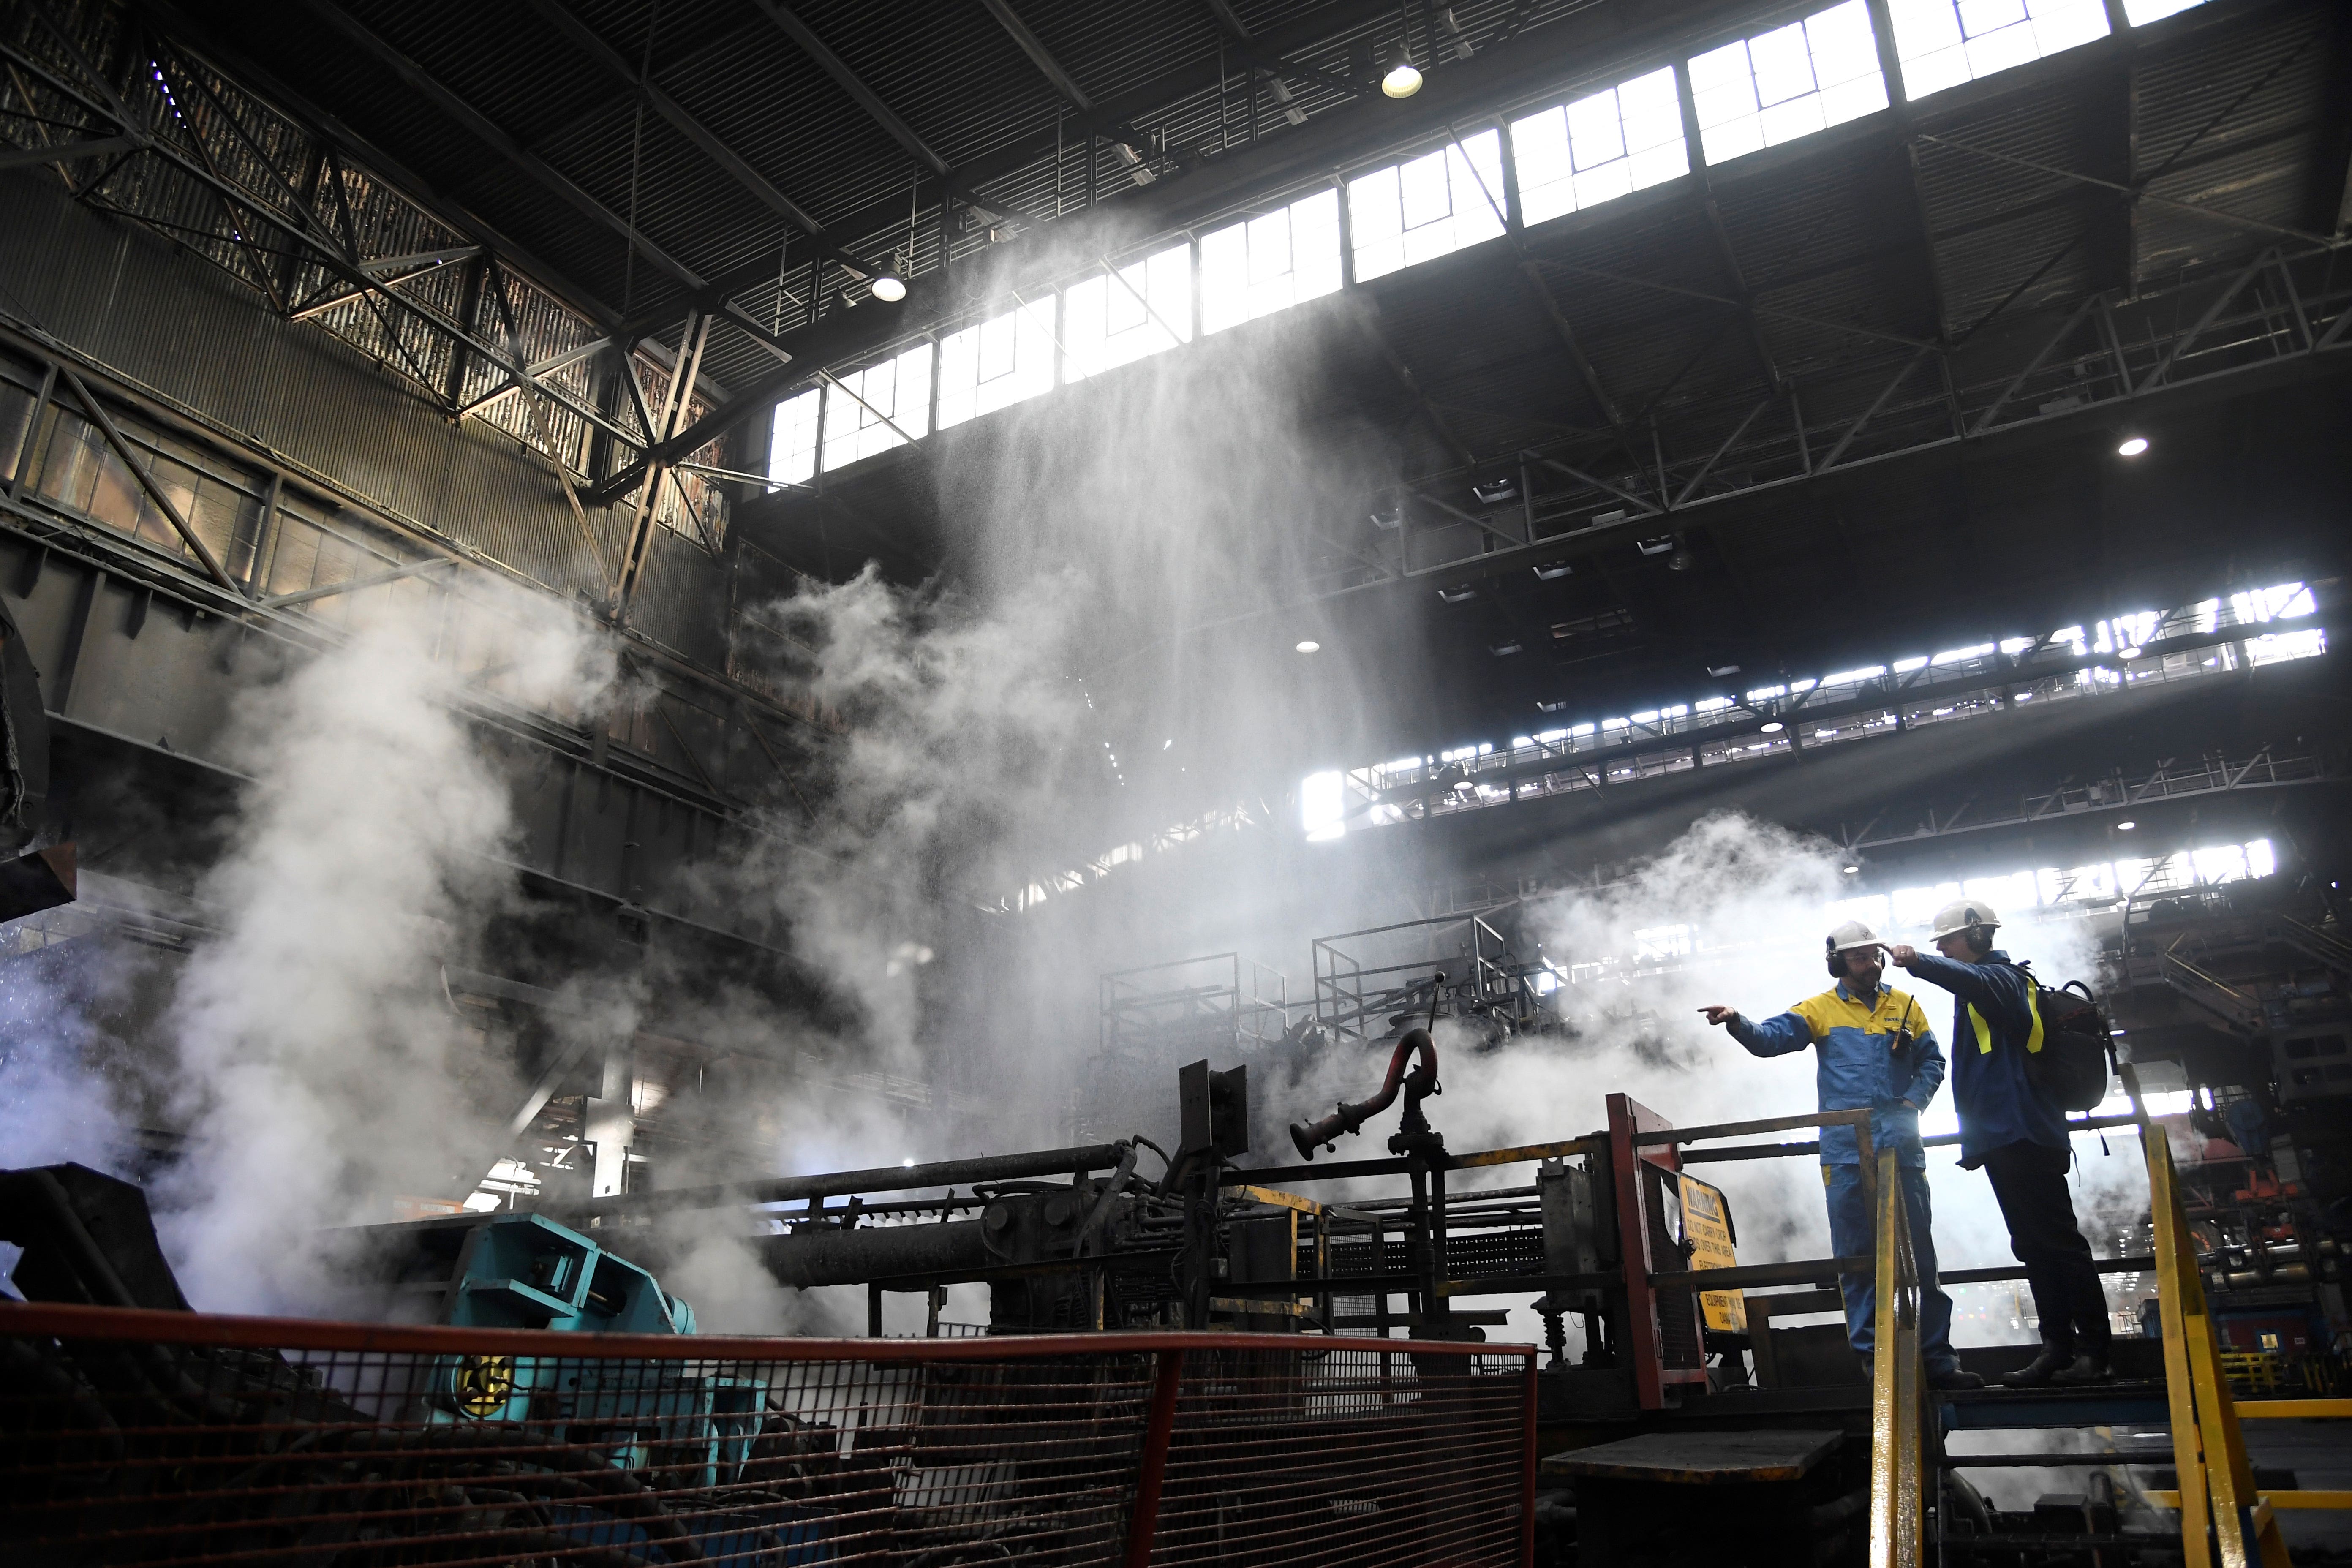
[484,1384]
[1707,1226]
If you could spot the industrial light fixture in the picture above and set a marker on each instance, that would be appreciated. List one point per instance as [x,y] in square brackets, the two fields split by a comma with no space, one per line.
[1850,870]
[1306,645]
[889,285]
[1657,544]
[1392,518]
[1542,707]
[1773,726]
[2131,446]
[1682,560]
[1461,596]
[1720,670]
[1552,572]
[2125,827]
[1503,650]
[1494,492]
[1399,76]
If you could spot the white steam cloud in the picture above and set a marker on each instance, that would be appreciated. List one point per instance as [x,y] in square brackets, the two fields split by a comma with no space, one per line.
[320,1058]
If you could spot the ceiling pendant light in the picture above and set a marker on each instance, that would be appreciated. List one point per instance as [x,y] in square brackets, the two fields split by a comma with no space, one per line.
[2131,446]
[1399,76]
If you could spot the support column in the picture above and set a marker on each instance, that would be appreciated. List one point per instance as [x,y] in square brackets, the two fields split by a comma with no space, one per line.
[610,1122]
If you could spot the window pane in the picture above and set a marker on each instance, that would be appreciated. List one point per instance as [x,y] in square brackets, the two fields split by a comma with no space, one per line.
[1270,263]
[1573,157]
[2140,13]
[1943,43]
[1783,66]
[1596,132]
[1427,207]
[999,362]
[792,438]
[1142,308]
[881,406]
[1788,82]
[1428,196]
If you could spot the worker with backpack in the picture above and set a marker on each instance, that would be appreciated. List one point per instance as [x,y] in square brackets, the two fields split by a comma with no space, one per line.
[2023,1055]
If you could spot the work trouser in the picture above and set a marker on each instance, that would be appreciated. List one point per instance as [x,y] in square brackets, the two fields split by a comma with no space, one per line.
[2029,1181]
[1853,1233]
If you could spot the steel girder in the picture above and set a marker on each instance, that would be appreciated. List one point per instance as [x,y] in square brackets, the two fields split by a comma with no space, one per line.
[212,168]
[2086,359]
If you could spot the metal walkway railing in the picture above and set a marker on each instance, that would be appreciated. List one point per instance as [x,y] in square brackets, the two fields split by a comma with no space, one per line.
[168,1438]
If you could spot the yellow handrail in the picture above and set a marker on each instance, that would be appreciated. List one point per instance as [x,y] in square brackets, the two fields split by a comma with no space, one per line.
[2209,1452]
[1897,1454]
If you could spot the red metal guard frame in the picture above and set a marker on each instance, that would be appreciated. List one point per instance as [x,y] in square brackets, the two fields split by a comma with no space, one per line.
[176,1438]
[1644,1339]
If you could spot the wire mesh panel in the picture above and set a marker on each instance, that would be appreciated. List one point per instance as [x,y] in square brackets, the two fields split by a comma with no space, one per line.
[1345,1453]
[174,1439]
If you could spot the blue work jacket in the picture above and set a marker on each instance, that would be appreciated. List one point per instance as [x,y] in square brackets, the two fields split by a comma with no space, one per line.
[1993,1023]
[1860,1065]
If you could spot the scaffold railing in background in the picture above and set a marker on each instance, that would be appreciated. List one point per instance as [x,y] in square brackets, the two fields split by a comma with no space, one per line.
[167,1437]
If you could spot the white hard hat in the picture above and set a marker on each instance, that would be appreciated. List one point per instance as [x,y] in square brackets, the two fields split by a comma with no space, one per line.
[1851,935]
[1962,913]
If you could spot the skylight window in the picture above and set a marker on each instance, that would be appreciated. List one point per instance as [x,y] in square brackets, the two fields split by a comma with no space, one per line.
[1001,361]
[792,438]
[1787,83]
[881,406]
[1612,143]
[1112,319]
[1323,806]
[2140,13]
[1415,212]
[1270,263]
[1943,43]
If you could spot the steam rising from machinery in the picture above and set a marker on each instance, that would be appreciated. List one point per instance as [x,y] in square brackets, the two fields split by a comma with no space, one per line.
[323,1069]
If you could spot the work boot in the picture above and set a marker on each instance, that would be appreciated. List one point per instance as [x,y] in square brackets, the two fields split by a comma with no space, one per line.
[2039,1372]
[2087,1367]
[1952,1380]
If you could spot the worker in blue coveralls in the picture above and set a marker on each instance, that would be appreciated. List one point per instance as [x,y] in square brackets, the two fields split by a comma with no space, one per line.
[1877,1052]
[2013,1132]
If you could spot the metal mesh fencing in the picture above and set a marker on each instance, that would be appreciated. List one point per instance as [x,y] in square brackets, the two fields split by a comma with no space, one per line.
[159,1438]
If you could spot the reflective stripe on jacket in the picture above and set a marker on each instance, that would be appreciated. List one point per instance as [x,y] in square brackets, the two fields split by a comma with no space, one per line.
[1860,1064]
[1997,1103]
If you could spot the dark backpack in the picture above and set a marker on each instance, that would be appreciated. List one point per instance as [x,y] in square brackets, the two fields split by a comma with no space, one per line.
[2071,1068]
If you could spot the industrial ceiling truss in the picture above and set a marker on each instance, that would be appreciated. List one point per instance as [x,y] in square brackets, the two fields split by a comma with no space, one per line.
[138,127]
[2105,358]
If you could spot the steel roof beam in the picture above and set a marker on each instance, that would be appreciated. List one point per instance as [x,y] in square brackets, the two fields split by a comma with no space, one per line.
[850,82]
[323,127]
[488,132]
[307,234]
[867,99]
[586,39]
[1137,145]
[1231,20]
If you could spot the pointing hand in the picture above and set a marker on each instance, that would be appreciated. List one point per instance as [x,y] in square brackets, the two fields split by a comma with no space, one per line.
[1720,1014]
[1904,954]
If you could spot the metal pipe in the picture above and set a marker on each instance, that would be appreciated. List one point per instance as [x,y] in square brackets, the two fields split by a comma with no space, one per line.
[844,1183]
[1352,1118]
[811,1258]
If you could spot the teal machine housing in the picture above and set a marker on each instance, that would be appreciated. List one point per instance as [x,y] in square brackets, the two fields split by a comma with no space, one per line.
[525,1271]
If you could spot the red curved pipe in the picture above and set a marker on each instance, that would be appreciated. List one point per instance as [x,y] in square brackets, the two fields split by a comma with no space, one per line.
[1309,1136]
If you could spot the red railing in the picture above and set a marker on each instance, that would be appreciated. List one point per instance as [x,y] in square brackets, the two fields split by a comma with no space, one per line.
[168,1438]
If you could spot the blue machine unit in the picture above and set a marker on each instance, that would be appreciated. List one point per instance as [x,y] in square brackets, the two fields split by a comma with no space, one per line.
[525,1271]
